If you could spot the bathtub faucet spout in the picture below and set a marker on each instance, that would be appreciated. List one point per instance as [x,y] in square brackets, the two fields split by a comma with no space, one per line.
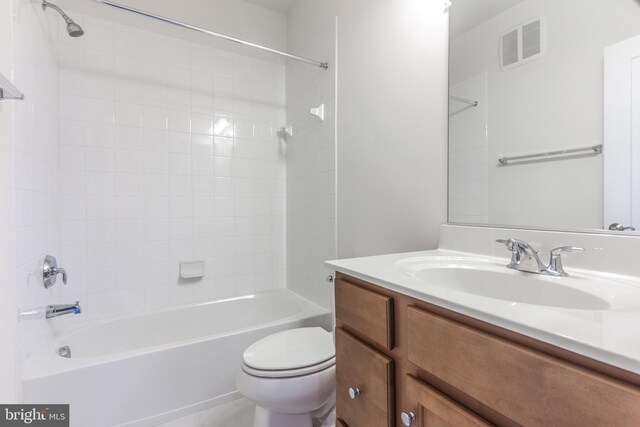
[62,309]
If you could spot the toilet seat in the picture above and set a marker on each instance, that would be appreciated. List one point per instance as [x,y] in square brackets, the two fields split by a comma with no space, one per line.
[290,353]
[289,373]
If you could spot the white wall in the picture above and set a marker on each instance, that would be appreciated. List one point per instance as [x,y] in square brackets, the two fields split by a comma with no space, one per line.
[392,59]
[551,103]
[311,169]
[7,243]
[34,173]
[391,119]
[169,152]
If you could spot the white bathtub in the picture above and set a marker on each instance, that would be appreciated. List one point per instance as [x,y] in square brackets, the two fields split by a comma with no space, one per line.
[147,369]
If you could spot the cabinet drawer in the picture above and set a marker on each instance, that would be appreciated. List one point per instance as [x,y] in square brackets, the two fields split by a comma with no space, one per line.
[526,386]
[366,311]
[433,409]
[359,366]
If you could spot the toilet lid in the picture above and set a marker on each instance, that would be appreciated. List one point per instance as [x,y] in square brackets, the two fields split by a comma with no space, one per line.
[291,349]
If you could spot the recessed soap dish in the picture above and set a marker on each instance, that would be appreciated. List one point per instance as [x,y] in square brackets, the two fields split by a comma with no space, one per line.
[191,269]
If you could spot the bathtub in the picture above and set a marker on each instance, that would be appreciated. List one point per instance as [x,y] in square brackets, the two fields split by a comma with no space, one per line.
[148,369]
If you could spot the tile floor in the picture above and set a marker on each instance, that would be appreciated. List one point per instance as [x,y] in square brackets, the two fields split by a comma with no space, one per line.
[238,413]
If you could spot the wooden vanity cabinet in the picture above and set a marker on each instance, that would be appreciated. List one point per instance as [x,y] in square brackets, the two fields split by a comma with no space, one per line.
[364,337]
[446,369]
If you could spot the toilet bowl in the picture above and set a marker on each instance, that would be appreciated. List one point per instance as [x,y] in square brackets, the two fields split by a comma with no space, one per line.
[290,376]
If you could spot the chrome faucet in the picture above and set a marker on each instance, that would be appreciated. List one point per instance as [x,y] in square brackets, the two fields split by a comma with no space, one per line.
[525,258]
[62,309]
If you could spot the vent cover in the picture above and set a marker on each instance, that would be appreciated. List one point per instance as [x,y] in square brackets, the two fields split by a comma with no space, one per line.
[510,49]
[522,44]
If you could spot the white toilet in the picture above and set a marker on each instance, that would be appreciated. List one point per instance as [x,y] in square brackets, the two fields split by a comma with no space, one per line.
[290,376]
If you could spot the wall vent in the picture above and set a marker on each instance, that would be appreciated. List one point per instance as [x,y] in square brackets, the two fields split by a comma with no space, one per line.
[522,44]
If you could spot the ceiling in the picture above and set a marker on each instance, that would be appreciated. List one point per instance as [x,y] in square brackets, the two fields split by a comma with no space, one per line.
[280,6]
[466,14]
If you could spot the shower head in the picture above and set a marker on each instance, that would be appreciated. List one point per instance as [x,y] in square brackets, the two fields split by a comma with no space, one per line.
[73,29]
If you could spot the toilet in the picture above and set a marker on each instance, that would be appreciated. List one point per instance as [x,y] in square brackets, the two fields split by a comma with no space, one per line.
[290,376]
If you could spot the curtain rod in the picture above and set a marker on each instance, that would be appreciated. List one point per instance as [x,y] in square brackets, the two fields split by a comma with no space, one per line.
[323,65]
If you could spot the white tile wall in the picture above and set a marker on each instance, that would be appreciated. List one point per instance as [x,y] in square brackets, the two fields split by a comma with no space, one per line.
[168,152]
[34,174]
[468,133]
[311,173]
[8,289]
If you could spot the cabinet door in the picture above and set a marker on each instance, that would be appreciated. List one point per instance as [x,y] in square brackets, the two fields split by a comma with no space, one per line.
[364,383]
[433,409]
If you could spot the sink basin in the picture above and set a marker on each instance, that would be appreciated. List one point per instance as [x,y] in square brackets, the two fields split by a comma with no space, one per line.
[489,280]
[527,290]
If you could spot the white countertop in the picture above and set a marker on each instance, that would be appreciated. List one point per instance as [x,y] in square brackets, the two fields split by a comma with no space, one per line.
[611,336]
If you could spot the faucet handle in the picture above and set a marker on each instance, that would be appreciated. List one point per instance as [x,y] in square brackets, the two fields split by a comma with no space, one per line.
[62,271]
[514,248]
[516,245]
[563,249]
[50,271]
[555,263]
[619,227]
[509,243]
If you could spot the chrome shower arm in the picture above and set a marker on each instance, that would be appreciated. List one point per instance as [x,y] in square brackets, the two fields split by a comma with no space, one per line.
[73,29]
[46,4]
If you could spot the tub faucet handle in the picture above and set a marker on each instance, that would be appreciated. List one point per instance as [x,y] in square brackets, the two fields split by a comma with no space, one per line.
[62,271]
[50,271]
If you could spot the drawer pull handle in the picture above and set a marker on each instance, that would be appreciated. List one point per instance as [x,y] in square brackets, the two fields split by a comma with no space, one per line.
[354,392]
[407,418]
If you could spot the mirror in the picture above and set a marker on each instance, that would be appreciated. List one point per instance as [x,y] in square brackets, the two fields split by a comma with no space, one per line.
[544,113]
